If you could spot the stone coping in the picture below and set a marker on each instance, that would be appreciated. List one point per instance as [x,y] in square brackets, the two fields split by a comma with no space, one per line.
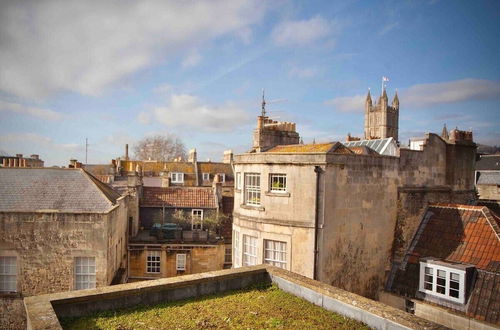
[42,310]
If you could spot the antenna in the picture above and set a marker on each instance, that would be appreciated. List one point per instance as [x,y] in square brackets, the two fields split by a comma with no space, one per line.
[86,149]
[263,103]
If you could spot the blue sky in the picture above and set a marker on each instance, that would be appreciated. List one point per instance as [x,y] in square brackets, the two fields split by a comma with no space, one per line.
[116,71]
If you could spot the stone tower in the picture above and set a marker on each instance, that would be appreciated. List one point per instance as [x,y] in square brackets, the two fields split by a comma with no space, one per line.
[381,119]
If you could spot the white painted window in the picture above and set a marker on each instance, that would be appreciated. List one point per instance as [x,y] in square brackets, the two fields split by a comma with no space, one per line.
[222,177]
[275,253]
[197,219]
[153,262]
[8,274]
[85,273]
[238,180]
[177,177]
[442,281]
[180,261]
[236,249]
[227,256]
[206,176]
[252,189]
[277,183]
[249,250]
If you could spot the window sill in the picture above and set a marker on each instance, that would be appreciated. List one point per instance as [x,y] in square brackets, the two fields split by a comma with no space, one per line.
[12,295]
[251,207]
[277,194]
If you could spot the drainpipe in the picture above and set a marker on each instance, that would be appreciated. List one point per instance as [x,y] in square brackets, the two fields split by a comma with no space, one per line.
[317,170]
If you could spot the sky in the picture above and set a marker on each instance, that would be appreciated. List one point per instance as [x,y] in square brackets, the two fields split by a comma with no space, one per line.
[115,72]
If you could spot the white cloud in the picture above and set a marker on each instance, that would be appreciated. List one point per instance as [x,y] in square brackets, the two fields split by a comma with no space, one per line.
[46,114]
[299,33]
[163,88]
[303,72]
[187,111]
[193,59]
[144,118]
[428,95]
[84,46]
[425,95]
[388,28]
[348,103]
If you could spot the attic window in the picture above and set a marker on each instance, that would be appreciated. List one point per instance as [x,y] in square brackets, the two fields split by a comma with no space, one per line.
[206,176]
[222,177]
[177,177]
[443,282]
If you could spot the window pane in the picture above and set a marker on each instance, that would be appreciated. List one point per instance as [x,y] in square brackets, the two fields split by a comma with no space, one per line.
[275,253]
[252,188]
[454,277]
[85,271]
[454,293]
[428,270]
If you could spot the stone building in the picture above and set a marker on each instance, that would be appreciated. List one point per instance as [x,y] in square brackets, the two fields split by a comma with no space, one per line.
[19,161]
[453,262]
[339,214]
[179,233]
[60,229]
[488,179]
[381,119]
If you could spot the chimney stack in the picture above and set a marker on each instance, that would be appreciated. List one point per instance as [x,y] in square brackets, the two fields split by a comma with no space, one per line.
[126,151]
[228,157]
[192,156]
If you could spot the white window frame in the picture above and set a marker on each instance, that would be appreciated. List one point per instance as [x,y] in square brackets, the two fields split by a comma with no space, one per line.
[252,189]
[153,262]
[275,253]
[177,177]
[222,177]
[206,176]
[85,273]
[8,274]
[281,178]
[228,255]
[195,218]
[249,250]
[238,181]
[236,249]
[180,261]
[448,270]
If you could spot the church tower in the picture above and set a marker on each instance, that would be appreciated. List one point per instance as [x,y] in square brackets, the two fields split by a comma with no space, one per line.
[381,119]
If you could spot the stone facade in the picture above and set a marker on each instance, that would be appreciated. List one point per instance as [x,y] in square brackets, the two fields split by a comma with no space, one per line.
[343,216]
[199,258]
[381,119]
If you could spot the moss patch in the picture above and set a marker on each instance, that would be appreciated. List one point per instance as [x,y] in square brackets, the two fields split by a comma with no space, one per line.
[256,308]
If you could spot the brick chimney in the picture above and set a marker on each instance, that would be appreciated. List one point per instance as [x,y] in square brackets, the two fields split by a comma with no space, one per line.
[228,157]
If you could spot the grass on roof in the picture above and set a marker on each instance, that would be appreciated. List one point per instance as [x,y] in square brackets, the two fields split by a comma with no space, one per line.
[262,307]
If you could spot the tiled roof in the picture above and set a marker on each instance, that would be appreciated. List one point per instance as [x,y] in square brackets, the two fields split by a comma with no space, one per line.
[461,234]
[488,162]
[490,178]
[310,148]
[65,190]
[172,197]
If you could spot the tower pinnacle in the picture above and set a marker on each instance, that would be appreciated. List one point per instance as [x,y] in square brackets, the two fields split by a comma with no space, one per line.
[263,103]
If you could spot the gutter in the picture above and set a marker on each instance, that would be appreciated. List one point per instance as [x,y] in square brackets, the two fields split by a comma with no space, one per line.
[318,171]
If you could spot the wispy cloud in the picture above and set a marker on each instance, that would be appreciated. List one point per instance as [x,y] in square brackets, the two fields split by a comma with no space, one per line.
[298,72]
[144,118]
[37,140]
[428,95]
[46,114]
[193,59]
[303,32]
[188,111]
[388,28]
[163,88]
[84,47]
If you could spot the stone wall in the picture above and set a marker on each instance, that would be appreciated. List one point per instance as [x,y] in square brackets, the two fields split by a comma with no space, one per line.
[46,245]
[199,258]
[355,236]
[490,192]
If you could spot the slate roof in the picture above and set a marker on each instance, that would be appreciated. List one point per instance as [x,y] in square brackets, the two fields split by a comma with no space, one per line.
[334,147]
[179,197]
[489,178]
[458,234]
[488,162]
[65,190]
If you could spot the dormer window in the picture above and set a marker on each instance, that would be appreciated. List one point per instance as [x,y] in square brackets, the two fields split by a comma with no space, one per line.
[222,177]
[177,177]
[206,176]
[442,281]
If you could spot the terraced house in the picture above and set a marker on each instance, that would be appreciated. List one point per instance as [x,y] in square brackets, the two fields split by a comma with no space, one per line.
[60,229]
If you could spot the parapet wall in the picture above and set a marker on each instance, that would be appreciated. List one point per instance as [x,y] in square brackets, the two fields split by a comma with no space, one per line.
[43,311]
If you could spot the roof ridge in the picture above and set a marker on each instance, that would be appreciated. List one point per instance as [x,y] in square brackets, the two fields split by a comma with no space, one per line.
[101,187]
[457,206]
[493,224]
